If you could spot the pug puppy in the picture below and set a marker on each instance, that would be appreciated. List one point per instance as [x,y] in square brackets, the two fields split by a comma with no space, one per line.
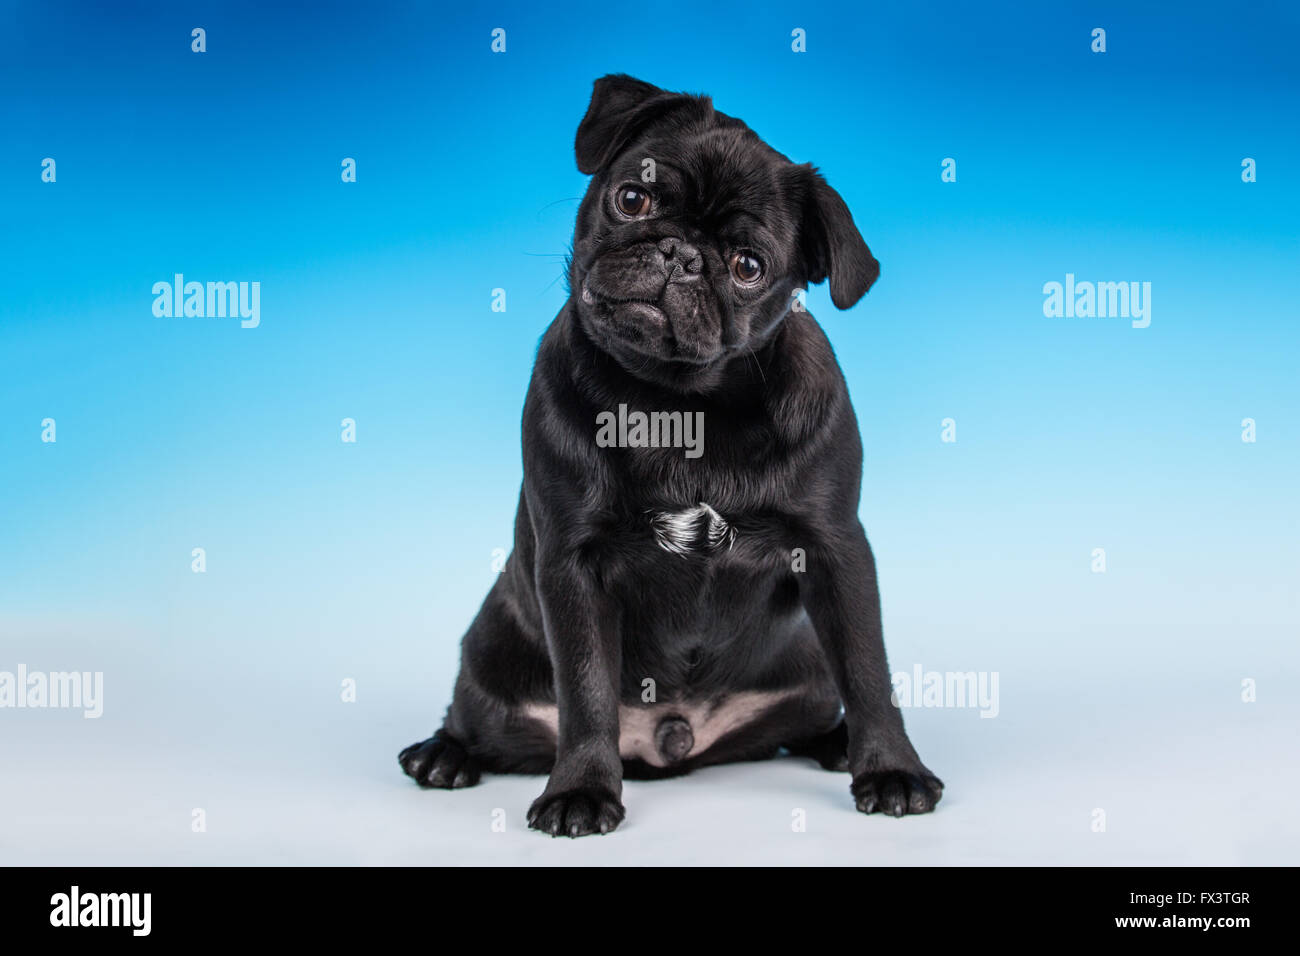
[690,584]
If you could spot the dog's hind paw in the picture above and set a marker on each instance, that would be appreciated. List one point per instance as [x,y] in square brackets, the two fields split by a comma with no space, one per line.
[896,792]
[441,761]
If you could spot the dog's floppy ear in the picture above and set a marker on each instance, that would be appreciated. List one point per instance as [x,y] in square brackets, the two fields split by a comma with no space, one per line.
[620,108]
[832,245]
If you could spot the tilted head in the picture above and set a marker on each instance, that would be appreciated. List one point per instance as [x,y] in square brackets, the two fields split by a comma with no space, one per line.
[694,234]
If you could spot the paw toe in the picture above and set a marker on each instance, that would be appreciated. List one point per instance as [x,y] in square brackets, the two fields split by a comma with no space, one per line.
[576,813]
[896,793]
[440,762]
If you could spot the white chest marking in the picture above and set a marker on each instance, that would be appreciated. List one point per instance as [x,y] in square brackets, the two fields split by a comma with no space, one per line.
[692,530]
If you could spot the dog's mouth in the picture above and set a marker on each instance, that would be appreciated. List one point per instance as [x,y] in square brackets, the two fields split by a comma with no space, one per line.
[608,301]
[635,329]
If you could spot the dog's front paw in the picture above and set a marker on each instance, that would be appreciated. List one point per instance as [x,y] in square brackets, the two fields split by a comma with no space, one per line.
[576,812]
[896,792]
[441,761]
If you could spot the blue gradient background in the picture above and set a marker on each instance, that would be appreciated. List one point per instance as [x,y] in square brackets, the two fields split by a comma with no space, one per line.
[328,560]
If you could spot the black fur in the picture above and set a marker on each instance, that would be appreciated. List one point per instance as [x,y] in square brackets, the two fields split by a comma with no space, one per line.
[589,605]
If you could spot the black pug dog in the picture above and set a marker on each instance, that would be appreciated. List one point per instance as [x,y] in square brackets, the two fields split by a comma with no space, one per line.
[671,603]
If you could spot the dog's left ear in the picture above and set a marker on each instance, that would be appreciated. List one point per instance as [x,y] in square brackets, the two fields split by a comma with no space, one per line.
[832,245]
[621,107]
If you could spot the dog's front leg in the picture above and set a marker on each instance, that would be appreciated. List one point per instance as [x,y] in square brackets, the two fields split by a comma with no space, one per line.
[586,783]
[841,596]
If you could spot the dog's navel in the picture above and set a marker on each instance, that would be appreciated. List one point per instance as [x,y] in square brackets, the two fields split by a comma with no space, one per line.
[692,530]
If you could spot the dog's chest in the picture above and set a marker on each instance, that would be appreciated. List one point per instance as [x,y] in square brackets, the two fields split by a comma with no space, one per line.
[696,530]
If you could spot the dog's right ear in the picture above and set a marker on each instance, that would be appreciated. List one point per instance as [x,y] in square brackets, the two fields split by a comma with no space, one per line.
[621,107]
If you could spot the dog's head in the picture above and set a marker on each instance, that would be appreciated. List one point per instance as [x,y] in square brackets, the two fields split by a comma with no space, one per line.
[694,234]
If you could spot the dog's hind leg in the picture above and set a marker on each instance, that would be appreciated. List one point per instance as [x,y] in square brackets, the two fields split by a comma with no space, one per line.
[485,729]
[830,749]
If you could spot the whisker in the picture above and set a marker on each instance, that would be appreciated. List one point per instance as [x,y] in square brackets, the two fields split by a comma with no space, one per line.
[557,202]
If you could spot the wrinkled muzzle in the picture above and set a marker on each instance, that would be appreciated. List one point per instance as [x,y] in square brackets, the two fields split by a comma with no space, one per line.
[653,297]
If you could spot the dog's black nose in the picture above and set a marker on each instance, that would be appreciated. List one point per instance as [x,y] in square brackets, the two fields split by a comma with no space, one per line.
[681,259]
[673,739]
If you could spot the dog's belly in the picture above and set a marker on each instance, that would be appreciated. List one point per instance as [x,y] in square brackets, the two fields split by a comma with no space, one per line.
[654,732]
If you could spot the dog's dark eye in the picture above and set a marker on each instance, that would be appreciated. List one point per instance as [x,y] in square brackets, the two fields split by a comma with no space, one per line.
[632,202]
[745,267]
